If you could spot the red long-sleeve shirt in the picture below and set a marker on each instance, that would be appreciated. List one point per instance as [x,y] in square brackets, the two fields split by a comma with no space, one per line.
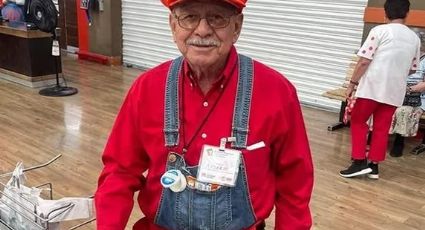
[280,174]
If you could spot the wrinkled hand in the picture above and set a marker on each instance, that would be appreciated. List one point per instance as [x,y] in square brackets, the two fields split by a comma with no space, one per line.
[349,91]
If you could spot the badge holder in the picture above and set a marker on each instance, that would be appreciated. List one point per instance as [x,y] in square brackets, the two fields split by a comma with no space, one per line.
[224,141]
[219,165]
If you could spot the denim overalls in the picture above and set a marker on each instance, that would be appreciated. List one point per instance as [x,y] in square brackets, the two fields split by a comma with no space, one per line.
[206,206]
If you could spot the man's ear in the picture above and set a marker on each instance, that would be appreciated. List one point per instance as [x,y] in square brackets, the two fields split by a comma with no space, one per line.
[238,27]
[172,23]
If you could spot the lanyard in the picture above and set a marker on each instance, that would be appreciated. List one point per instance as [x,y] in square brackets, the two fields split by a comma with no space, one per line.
[186,145]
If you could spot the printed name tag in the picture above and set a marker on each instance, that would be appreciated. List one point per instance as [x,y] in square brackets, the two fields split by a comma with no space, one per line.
[219,166]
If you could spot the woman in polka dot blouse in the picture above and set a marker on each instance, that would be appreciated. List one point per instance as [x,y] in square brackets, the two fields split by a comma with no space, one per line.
[389,54]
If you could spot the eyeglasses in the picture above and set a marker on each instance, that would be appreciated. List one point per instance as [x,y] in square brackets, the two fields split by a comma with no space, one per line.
[191,21]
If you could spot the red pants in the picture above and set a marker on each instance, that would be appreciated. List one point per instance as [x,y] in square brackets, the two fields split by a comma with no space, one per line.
[382,117]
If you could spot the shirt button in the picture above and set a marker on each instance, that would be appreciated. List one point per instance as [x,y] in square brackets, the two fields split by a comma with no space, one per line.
[221,86]
[205,104]
[204,136]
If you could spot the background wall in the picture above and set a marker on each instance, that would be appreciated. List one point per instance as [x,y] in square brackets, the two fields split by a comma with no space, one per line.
[414,4]
[417,8]
[105,33]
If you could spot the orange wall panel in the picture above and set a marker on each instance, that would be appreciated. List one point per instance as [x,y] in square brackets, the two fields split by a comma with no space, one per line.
[377,15]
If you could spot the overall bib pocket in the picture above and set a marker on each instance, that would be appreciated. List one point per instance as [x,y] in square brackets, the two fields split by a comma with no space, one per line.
[224,208]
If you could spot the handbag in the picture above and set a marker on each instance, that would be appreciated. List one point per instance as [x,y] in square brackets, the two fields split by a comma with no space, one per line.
[348,110]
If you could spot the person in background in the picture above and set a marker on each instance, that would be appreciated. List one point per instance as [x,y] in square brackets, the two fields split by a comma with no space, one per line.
[389,54]
[220,137]
[406,118]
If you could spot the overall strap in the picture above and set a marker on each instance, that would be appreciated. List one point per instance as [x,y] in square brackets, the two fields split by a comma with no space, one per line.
[171,110]
[242,108]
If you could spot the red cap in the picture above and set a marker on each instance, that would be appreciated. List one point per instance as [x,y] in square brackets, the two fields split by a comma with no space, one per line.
[240,4]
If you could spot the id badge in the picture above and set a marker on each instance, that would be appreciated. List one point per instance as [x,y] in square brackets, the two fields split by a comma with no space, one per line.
[219,166]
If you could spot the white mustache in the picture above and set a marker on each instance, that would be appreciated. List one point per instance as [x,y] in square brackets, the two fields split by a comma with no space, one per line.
[202,42]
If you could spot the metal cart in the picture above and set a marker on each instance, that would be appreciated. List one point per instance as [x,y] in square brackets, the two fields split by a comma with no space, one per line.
[20,211]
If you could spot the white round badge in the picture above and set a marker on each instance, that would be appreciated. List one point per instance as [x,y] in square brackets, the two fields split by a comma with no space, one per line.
[174,179]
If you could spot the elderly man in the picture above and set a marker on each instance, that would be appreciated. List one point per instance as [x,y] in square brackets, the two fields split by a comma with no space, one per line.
[221,136]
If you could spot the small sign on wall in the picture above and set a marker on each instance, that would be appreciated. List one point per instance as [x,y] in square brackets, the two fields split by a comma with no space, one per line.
[84,4]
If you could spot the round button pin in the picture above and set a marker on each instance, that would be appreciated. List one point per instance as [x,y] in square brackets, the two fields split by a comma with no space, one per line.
[170,178]
[179,187]
[174,180]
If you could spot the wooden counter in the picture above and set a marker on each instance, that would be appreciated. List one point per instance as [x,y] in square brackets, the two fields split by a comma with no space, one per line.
[25,55]
[19,29]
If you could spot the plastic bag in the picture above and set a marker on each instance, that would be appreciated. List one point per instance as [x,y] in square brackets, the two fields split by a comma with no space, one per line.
[22,208]
[18,201]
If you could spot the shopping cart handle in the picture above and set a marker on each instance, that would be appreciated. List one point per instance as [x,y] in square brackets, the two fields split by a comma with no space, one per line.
[43,165]
[35,167]
[82,224]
